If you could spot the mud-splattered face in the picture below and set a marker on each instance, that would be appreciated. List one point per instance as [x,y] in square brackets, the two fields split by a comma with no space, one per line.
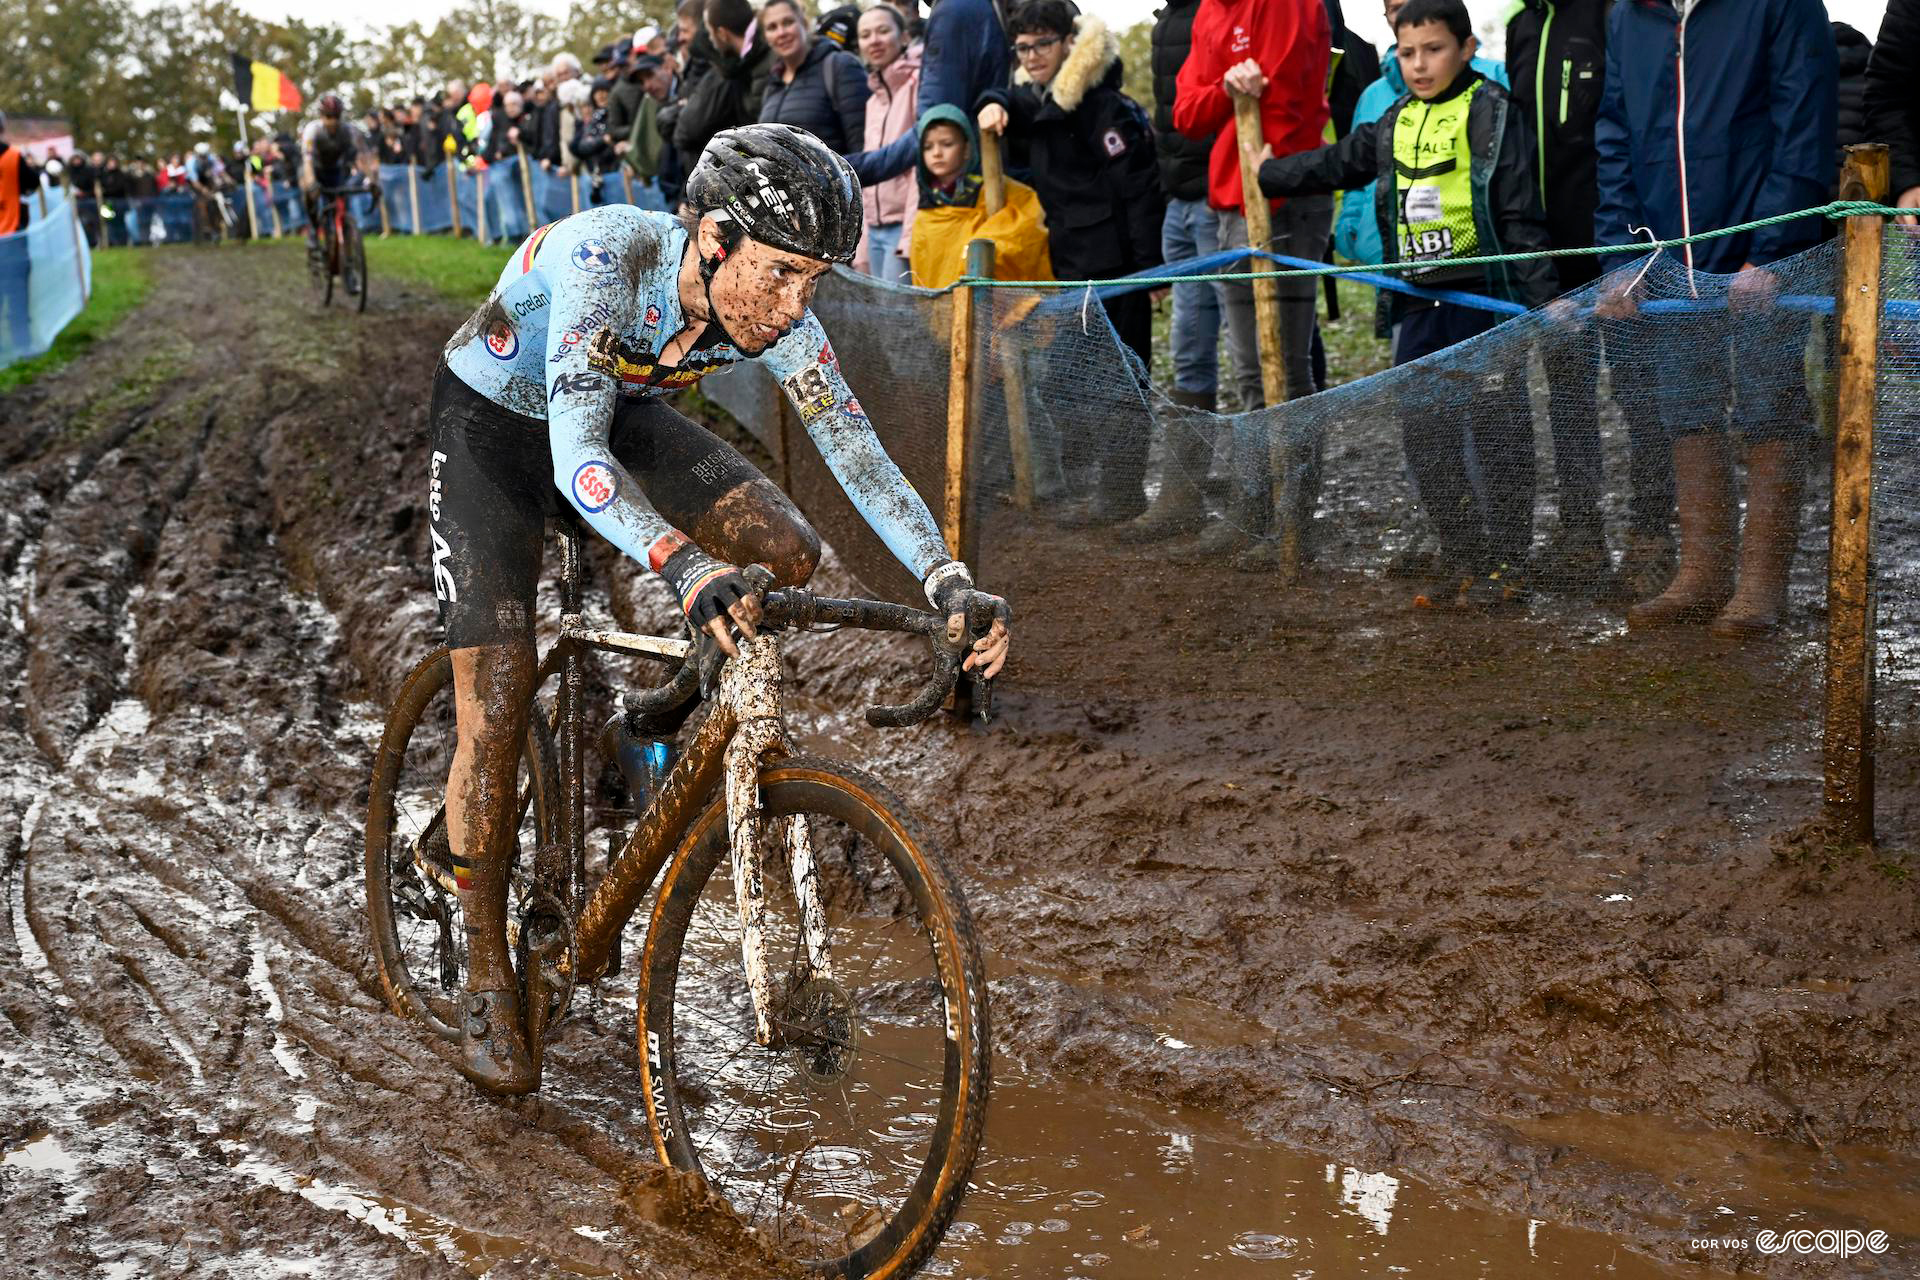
[759,292]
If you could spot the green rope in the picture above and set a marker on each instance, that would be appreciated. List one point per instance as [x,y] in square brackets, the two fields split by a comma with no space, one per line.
[1834,210]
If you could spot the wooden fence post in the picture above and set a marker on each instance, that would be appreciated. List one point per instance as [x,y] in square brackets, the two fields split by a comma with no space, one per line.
[1266,312]
[453,193]
[526,186]
[962,378]
[247,184]
[1850,590]
[480,204]
[413,196]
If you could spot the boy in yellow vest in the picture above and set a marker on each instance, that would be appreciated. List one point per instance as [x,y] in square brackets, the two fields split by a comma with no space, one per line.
[1456,161]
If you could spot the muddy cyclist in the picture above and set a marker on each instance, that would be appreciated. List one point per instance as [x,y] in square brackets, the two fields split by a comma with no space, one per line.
[551,396]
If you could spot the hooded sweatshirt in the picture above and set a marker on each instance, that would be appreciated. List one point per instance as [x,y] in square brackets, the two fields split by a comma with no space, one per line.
[950,217]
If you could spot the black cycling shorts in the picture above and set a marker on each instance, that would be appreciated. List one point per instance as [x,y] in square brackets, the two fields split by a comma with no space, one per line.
[491,492]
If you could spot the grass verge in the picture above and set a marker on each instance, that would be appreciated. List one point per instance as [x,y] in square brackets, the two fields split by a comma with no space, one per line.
[463,271]
[121,278]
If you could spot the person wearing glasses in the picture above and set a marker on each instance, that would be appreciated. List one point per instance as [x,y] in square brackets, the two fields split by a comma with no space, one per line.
[1090,150]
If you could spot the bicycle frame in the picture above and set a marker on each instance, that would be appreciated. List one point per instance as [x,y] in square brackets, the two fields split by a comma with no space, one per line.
[745,725]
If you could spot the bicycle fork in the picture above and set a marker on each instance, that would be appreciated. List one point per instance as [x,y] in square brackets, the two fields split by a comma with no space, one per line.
[750,687]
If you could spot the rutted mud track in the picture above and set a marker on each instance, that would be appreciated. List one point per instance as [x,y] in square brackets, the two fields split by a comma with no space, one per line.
[213,536]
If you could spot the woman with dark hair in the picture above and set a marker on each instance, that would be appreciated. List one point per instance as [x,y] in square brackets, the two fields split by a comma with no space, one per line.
[812,84]
[893,74]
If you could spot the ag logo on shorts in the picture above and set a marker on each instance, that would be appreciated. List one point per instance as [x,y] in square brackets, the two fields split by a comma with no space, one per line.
[591,255]
[502,342]
[593,486]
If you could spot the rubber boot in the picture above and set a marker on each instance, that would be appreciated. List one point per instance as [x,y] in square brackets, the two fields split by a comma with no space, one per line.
[1776,475]
[1180,508]
[1249,504]
[1702,483]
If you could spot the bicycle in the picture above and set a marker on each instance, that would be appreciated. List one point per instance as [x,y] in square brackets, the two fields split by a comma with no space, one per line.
[830,974]
[342,252]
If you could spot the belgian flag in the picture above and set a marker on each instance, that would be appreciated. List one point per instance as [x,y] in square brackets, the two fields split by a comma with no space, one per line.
[263,88]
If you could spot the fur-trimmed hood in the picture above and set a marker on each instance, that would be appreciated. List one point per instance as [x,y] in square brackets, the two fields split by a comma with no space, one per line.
[1096,52]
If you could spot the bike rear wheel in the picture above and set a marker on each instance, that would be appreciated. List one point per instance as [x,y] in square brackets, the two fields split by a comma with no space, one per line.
[850,1139]
[419,935]
[353,262]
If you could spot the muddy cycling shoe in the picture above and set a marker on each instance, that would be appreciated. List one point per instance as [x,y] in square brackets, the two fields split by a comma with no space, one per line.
[493,1049]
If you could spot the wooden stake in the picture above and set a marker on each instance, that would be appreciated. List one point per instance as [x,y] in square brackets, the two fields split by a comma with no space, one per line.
[413,195]
[453,195]
[526,185]
[480,204]
[626,184]
[1850,592]
[1266,313]
[573,188]
[957,519]
[993,174]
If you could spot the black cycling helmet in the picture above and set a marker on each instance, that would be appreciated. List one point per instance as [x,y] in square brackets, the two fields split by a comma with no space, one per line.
[782,186]
[330,104]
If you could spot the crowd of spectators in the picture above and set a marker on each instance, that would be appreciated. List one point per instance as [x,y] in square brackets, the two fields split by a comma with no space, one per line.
[1597,140]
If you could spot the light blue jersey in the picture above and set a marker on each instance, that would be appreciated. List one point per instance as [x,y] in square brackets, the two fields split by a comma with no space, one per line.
[576,321]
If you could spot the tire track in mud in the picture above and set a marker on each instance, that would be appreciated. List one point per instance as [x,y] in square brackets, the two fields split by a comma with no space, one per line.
[215,1083]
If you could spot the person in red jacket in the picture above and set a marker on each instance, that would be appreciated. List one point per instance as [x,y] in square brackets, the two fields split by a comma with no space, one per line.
[1277,50]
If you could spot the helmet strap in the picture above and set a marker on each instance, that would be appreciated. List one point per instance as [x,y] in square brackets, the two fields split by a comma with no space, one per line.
[730,237]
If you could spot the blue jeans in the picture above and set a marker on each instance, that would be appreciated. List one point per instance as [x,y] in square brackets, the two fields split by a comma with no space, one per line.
[883,262]
[1192,230]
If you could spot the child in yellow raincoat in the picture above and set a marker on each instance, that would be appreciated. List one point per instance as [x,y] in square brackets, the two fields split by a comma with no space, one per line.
[952,211]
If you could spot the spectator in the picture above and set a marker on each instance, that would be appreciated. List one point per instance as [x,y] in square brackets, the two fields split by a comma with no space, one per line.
[391,142]
[1191,229]
[1753,139]
[19,178]
[1090,150]
[842,27]
[141,190]
[505,135]
[1558,57]
[1855,52]
[1462,185]
[113,198]
[731,91]
[951,212]
[624,102]
[1893,101]
[893,77]
[564,68]
[966,54]
[591,147]
[1276,51]
[811,84]
[692,51]
[644,150]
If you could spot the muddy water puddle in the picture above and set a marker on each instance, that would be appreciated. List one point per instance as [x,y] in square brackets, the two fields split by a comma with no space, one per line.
[1081,1181]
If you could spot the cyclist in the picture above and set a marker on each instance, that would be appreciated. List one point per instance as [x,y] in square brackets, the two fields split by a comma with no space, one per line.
[204,172]
[332,150]
[554,390]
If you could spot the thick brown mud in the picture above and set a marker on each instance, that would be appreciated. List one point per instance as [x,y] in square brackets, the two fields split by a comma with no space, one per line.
[1374,969]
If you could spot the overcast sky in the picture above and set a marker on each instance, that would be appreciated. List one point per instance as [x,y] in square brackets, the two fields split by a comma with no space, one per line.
[1362,16]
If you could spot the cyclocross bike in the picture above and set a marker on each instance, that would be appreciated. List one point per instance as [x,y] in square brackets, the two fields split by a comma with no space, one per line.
[811,1005]
[343,254]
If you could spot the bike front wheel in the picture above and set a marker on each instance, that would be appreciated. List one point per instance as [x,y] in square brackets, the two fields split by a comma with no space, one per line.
[848,1140]
[353,263]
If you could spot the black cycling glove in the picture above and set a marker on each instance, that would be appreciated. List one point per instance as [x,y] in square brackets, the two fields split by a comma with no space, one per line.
[950,590]
[707,588]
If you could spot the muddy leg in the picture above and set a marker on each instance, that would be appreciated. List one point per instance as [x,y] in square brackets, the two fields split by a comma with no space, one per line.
[755,523]
[492,685]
